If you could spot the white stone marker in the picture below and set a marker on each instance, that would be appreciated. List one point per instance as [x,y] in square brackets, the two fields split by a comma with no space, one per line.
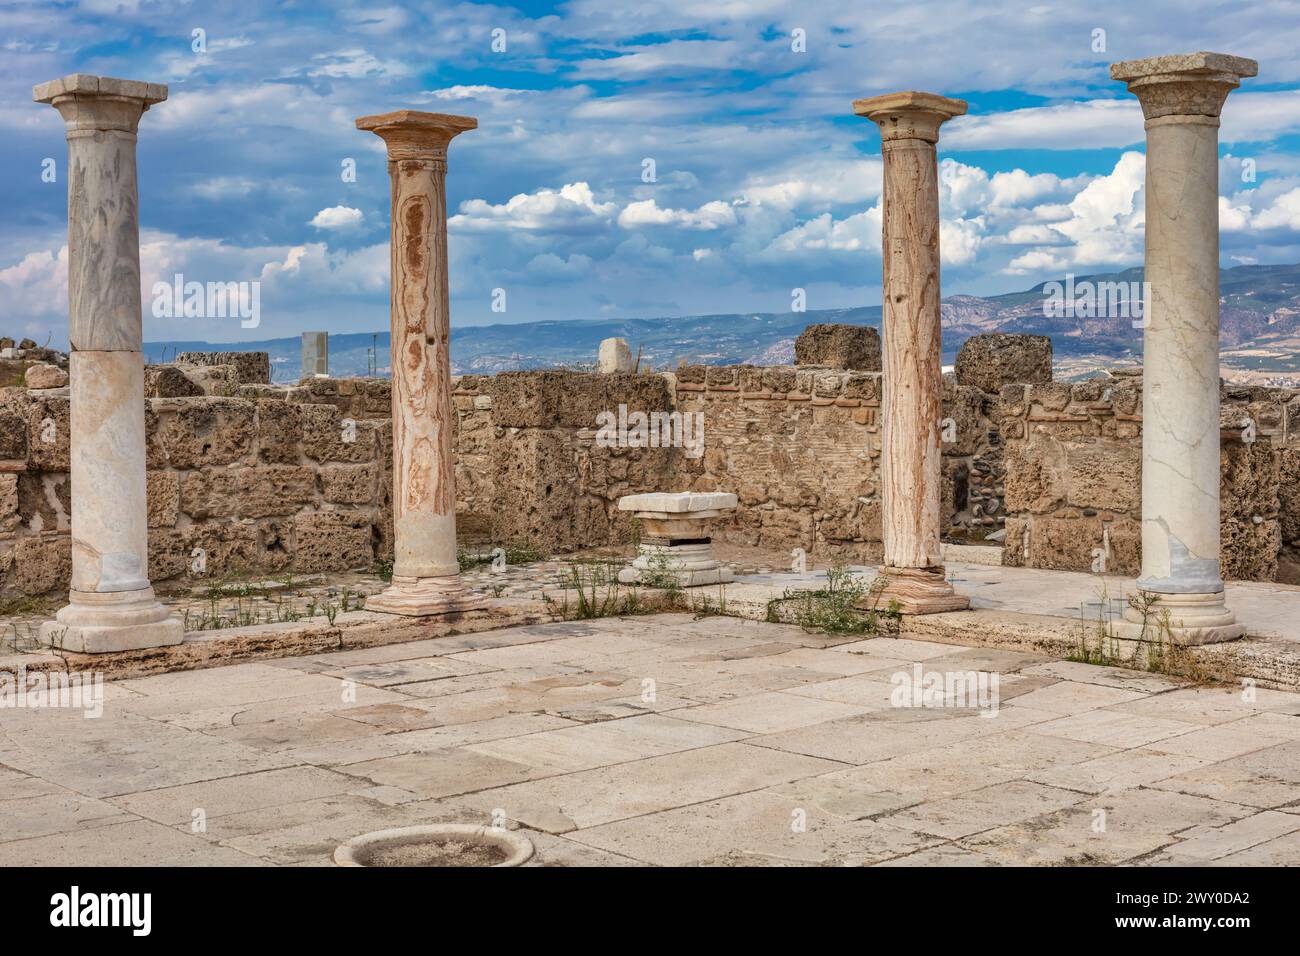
[1181,98]
[426,574]
[910,459]
[315,355]
[675,542]
[112,606]
[614,356]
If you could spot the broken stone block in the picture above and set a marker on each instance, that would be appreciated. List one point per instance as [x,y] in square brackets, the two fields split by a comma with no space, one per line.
[995,359]
[855,347]
[614,356]
[45,376]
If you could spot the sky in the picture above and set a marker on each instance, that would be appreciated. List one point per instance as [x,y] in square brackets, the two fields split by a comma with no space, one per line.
[633,159]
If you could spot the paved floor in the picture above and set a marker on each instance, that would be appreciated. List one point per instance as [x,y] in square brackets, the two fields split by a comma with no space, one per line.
[1268,610]
[663,740]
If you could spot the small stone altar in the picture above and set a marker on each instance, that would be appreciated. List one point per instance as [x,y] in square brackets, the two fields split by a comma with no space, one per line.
[675,544]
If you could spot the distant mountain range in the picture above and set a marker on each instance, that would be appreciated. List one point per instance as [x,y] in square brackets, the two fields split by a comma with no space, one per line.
[1259,328]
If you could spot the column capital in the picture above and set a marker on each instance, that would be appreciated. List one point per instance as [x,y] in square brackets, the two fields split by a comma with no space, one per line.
[411,134]
[92,103]
[1183,84]
[909,115]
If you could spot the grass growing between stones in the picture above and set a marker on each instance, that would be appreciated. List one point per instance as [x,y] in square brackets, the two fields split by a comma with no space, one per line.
[1158,651]
[847,605]
[229,603]
[592,589]
[514,554]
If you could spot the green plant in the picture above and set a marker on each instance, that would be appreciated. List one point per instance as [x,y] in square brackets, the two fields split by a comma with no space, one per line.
[847,605]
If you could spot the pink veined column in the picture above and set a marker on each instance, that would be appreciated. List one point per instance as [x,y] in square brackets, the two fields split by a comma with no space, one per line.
[426,573]
[112,606]
[910,461]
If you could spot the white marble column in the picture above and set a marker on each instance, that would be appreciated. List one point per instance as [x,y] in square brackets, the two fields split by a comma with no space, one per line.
[910,460]
[112,605]
[426,574]
[1181,98]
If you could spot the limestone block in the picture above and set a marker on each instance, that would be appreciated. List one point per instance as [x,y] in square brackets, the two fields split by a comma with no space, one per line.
[13,434]
[251,368]
[1037,477]
[49,433]
[9,514]
[279,431]
[563,399]
[45,376]
[43,563]
[839,346]
[614,356]
[248,492]
[229,547]
[168,381]
[194,432]
[994,359]
[1105,475]
[349,484]
[326,436]
[315,354]
[169,557]
[331,541]
[163,497]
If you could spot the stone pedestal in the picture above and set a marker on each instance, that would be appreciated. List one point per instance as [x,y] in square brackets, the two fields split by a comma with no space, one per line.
[426,574]
[1181,98]
[112,604]
[675,544]
[912,406]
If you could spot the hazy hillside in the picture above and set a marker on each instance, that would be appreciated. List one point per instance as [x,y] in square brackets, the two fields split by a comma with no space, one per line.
[1260,329]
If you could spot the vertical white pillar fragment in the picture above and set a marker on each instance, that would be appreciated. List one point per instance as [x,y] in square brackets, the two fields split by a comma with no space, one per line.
[426,573]
[910,461]
[112,605]
[1181,97]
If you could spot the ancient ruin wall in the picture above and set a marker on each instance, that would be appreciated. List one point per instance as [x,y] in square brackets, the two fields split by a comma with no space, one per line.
[275,479]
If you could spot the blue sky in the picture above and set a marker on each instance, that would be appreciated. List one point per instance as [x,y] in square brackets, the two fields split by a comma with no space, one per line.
[765,181]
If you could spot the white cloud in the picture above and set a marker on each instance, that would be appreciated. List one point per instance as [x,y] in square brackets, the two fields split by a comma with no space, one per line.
[817,183]
[646,212]
[572,206]
[1090,124]
[337,217]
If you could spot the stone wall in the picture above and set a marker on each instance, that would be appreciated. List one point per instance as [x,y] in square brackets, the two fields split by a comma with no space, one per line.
[277,478]
[1074,476]
[256,486]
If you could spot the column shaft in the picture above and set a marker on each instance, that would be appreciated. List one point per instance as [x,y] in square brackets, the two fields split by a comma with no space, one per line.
[913,379]
[426,573]
[1180,397]
[1180,590]
[424,479]
[911,464]
[112,604]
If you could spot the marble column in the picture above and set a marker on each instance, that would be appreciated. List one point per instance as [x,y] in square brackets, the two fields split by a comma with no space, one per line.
[426,574]
[112,606]
[1181,98]
[910,460]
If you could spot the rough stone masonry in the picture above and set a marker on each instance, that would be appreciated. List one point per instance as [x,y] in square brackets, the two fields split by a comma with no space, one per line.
[270,478]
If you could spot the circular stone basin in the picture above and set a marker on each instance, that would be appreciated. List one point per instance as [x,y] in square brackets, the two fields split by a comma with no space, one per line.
[447,844]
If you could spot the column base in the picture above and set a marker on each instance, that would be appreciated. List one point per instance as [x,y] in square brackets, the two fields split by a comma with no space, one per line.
[1190,619]
[684,579]
[100,622]
[918,591]
[426,597]
[688,564]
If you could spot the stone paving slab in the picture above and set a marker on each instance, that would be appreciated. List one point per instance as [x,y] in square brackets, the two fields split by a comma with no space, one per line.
[660,740]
